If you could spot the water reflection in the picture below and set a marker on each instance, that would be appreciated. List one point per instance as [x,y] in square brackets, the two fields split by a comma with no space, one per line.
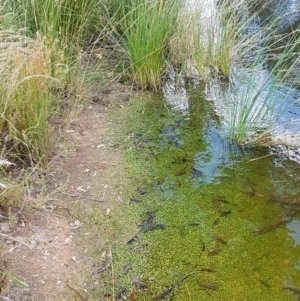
[297,266]
[211,164]
[284,177]
[212,196]
[174,92]
[285,12]
[252,95]
[294,233]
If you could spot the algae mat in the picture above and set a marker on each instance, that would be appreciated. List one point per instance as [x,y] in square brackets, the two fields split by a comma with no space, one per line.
[210,220]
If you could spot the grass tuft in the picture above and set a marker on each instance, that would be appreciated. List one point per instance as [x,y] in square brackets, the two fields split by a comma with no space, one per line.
[147,28]
[24,100]
[148,37]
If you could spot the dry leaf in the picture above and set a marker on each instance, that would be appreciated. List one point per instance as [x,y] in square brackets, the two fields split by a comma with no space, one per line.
[79,188]
[68,240]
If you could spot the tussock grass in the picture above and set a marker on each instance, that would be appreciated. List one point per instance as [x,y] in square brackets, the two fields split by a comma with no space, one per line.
[251,104]
[148,37]
[66,23]
[266,101]
[147,28]
[24,99]
[65,27]
[40,57]
[212,38]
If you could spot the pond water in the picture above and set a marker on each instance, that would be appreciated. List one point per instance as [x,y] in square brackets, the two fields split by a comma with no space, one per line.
[214,221]
[254,98]
[276,9]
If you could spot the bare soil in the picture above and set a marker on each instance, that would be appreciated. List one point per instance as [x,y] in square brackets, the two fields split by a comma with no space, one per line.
[51,250]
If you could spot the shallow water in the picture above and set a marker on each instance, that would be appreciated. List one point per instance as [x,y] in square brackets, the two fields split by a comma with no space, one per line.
[253,98]
[276,9]
[213,220]
[197,201]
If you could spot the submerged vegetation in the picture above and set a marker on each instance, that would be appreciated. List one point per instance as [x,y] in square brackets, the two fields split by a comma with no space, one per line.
[199,209]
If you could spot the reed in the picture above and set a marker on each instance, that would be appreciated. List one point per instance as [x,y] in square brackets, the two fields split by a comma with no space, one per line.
[261,95]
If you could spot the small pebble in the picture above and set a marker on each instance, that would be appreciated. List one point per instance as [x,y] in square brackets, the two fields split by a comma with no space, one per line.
[4,227]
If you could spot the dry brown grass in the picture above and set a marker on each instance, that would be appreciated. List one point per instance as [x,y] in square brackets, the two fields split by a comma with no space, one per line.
[25,99]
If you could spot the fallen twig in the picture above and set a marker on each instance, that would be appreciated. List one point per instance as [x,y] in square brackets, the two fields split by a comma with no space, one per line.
[211,287]
[175,287]
[112,275]
[166,292]
[103,196]
[293,290]
[76,292]
[274,225]
[285,218]
[15,239]
[81,196]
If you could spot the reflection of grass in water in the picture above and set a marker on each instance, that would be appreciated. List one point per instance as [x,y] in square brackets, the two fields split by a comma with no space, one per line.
[253,112]
[209,227]
[258,102]
[233,37]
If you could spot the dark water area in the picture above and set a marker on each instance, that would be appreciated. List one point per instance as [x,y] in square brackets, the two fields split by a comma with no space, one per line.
[286,14]
[284,19]
[214,221]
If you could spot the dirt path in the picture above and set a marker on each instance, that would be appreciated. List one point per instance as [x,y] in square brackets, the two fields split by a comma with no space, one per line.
[52,256]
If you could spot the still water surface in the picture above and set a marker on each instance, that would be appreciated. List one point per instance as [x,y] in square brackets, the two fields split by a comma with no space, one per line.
[214,221]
